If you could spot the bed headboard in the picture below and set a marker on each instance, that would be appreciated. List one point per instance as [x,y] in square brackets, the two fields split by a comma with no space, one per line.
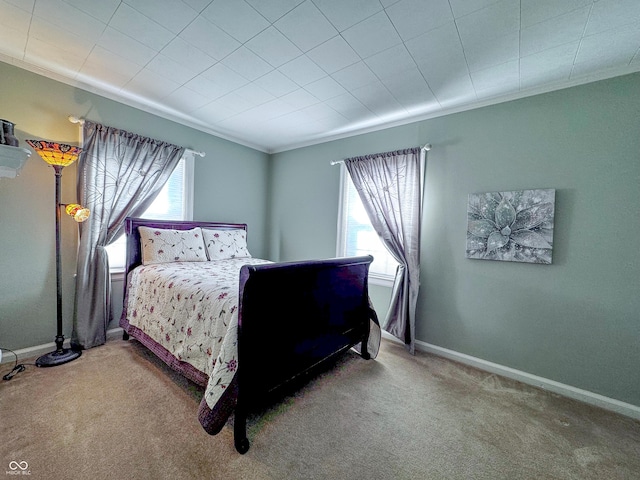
[134,249]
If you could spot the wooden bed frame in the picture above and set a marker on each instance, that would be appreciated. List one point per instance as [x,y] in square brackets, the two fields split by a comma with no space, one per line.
[326,312]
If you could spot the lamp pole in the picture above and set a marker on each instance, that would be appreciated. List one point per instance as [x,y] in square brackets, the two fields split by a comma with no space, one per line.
[59,335]
[61,355]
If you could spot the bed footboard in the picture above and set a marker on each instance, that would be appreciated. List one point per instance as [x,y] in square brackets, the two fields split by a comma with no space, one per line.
[296,316]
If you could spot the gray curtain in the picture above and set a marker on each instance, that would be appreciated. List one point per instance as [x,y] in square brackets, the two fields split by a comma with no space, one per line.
[119,175]
[390,187]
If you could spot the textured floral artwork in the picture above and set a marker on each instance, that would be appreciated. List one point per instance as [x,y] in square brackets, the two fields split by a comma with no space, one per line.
[511,226]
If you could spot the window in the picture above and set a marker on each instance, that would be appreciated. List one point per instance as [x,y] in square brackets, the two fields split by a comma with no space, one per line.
[174,202]
[356,236]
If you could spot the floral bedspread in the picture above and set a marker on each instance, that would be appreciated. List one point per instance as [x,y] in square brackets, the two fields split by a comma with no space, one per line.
[172,304]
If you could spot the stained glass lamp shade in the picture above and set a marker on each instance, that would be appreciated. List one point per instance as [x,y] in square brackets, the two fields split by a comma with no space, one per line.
[55,153]
[59,155]
[78,212]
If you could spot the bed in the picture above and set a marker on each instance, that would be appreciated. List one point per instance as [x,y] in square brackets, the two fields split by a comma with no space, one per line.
[241,327]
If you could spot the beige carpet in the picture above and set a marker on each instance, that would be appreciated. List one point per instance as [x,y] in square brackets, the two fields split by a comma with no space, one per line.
[117,413]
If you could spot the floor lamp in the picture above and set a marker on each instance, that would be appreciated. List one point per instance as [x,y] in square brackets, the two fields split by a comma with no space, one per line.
[59,155]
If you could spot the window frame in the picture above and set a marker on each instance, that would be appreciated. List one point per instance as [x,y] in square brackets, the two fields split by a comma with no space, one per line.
[375,278]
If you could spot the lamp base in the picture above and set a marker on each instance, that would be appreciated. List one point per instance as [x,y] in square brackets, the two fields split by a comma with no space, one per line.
[53,359]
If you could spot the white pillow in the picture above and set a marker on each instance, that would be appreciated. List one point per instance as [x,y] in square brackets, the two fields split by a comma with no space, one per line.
[223,244]
[165,245]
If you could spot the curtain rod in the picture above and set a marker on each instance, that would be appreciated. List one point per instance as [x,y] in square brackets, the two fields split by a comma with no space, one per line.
[425,148]
[74,119]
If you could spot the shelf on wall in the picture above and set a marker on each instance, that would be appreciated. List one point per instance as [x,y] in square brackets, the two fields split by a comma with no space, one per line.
[12,160]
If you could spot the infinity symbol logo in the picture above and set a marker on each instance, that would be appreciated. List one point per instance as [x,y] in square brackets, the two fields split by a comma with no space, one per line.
[13,465]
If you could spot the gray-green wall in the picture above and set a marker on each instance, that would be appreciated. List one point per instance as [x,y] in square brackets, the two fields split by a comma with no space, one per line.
[576,321]
[40,107]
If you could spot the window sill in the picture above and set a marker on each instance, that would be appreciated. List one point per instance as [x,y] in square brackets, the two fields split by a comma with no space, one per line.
[380,280]
[117,275]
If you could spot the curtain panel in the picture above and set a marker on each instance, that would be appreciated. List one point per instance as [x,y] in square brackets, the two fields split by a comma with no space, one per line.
[390,187]
[119,175]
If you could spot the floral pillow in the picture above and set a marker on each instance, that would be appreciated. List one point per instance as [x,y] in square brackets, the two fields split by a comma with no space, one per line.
[164,245]
[223,244]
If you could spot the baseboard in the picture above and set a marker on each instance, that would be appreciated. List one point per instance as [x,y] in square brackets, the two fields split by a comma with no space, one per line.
[585,396]
[37,350]
[115,334]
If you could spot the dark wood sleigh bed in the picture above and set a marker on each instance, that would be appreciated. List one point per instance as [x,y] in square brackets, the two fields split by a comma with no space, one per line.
[325,312]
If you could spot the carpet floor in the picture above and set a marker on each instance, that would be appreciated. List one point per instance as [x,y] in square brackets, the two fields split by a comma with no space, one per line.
[119,413]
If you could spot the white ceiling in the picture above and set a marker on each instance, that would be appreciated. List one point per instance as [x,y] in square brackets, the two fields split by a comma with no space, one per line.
[277,74]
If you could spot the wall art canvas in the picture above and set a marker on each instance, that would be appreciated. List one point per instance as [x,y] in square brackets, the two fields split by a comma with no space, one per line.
[511,226]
